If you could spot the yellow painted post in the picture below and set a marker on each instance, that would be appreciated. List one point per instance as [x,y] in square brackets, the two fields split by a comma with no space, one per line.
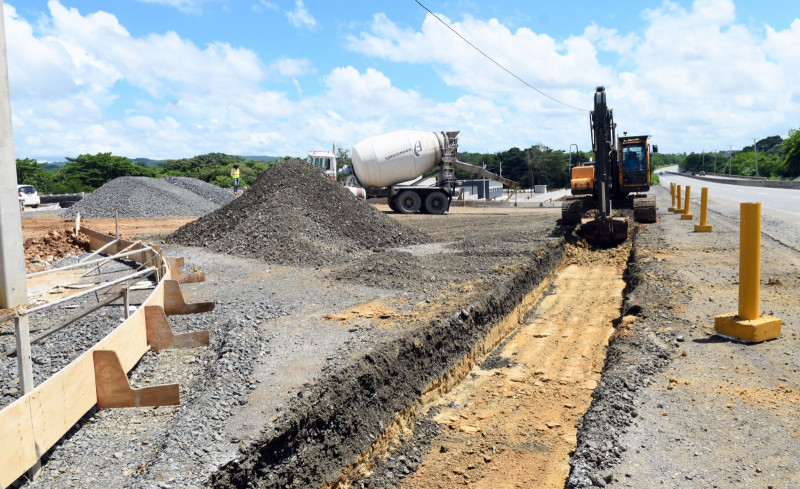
[679,208]
[747,324]
[749,259]
[672,195]
[687,203]
[703,226]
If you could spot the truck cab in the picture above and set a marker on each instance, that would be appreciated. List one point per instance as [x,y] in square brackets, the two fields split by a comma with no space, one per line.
[324,160]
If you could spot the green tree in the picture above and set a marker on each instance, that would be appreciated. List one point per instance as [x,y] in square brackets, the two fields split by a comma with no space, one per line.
[87,172]
[30,172]
[791,154]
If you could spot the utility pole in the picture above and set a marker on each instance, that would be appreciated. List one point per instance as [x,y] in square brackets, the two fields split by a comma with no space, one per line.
[13,291]
[730,157]
[755,148]
[704,160]
[715,161]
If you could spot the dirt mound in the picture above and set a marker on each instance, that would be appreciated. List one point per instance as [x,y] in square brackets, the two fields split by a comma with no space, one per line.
[39,252]
[142,197]
[294,215]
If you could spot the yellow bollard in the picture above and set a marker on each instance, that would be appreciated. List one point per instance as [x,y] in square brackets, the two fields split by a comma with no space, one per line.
[747,324]
[703,226]
[679,208]
[687,203]
[672,195]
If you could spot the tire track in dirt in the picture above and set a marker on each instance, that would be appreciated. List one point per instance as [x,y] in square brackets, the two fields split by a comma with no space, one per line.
[514,426]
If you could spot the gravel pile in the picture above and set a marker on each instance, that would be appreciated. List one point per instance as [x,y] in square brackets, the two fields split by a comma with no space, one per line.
[142,197]
[294,215]
[208,191]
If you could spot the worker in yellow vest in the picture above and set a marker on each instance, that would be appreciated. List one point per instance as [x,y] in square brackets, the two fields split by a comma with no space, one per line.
[235,175]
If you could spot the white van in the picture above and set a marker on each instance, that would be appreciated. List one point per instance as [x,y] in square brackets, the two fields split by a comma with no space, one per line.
[28,195]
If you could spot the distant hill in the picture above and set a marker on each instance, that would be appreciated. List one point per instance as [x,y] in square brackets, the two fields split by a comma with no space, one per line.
[147,161]
[265,159]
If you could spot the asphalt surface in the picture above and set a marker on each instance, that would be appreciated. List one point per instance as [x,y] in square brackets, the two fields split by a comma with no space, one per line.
[779,203]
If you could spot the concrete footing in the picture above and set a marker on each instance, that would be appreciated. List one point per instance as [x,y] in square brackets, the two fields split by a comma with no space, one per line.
[702,229]
[752,330]
[677,210]
[687,217]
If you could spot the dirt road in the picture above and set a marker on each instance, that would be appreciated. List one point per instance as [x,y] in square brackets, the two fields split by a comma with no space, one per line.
[514,425]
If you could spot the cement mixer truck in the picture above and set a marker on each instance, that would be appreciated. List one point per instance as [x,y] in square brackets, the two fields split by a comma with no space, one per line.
[393,166]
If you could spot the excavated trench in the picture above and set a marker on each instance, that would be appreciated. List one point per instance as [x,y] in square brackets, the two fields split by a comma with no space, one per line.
[344,425]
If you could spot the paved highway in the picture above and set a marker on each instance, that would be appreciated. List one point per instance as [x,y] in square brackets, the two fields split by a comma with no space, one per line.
[780,208]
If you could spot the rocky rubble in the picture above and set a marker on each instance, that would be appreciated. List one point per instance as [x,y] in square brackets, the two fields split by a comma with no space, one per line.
[148,197]
[40,252]
[208,191]
[294,215]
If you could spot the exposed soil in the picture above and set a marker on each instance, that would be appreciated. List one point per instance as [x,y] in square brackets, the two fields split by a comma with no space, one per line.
[514,425]
[40,226]
[41,252]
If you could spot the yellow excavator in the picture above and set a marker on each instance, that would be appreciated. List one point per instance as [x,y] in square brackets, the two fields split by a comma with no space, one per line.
[616,179]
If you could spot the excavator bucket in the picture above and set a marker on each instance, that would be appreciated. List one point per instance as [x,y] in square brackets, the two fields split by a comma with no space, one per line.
[605,232]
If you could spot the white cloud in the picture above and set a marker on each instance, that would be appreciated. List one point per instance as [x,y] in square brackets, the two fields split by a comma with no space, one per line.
[692,77]
[187,6]
[292,67]
[263,5]
[300,16]
[695,78]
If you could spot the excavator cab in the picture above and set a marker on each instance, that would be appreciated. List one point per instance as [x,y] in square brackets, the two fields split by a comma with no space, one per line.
[634,161]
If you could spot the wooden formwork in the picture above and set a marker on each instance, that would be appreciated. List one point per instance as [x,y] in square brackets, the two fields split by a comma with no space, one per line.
[35,422]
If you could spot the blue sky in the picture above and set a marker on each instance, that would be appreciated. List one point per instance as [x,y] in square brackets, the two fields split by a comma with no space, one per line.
[175,78]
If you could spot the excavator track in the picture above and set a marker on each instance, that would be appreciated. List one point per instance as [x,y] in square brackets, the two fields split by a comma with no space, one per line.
[644,209]
[572,211]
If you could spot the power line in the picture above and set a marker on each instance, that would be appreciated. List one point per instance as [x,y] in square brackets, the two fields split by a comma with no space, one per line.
[495,62]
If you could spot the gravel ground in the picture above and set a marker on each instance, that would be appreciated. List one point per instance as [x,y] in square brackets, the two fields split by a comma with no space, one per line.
[678,407]
[147,197]
[208,191]
[56,351]
[289,342]
[294,215]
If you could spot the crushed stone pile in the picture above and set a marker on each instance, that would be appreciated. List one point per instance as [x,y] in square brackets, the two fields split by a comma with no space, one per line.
[145,197]
[295,215]
[208,191]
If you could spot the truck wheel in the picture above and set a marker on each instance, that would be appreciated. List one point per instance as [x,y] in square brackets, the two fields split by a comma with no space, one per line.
[392,204]
[436,203]
[408,202]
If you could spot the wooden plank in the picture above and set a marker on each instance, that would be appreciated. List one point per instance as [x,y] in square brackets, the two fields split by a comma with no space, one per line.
[17,432]
[36,421]
[161,337]
[191,278]
[24,365]
[174,302]
[114,390]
